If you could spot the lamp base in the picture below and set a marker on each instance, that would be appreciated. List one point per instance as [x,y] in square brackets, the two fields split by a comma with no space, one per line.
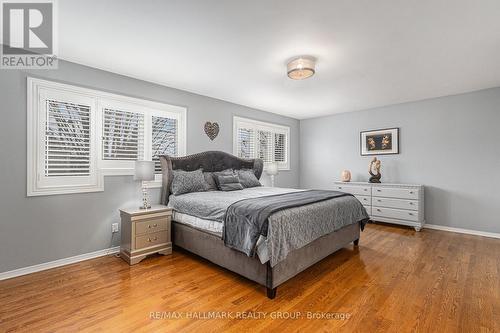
[145,198]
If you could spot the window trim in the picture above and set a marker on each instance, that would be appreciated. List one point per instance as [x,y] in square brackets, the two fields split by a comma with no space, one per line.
[267,126]
[34,121]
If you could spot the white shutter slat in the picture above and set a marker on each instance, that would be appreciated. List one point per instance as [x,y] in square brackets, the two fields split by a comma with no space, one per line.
[122,137]
[67,134]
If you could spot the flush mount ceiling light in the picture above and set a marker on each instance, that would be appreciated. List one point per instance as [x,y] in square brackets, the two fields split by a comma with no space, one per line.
[301,68]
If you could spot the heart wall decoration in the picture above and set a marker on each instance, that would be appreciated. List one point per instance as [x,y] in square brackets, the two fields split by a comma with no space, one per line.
[212,130]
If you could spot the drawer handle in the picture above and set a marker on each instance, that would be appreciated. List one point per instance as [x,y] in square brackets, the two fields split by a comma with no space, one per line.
[340,187]
[410,214]
[379,190]
[155,225]
[378,210]
[365,199]
[365,190]
[411,192]
[411,203]
[379,200]
[149,226]
[151,240]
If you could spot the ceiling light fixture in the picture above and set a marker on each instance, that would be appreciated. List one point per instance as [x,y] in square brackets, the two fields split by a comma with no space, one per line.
[301,68]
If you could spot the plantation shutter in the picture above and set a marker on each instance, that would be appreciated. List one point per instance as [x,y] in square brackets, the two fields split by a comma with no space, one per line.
[255,139]
[164,134]
[67,139]
[279,147]
[246,142]
[265,146]
[123,135]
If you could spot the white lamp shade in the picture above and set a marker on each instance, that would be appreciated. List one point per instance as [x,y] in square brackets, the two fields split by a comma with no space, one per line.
[144,170]
[272,169]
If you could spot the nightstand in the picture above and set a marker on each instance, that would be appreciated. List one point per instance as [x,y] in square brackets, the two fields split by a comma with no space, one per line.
[144,232]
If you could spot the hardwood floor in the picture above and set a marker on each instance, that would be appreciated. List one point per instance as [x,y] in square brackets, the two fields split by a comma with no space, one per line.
[398,280]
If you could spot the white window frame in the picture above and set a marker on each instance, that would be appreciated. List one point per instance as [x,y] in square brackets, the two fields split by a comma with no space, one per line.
[263,126]
[37,89]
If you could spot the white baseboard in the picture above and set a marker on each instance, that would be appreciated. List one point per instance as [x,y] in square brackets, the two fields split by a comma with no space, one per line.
[463,231]
[58,263]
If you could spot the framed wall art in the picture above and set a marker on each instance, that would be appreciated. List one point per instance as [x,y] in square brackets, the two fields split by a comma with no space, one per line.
[380,142]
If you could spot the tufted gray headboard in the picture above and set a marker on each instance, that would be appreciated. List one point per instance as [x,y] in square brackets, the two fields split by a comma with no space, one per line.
[209,161]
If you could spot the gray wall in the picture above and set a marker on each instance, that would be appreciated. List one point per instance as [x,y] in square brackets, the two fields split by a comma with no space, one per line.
[450,144]
[41,229]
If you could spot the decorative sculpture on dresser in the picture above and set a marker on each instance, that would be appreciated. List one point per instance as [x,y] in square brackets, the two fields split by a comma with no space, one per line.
[374,171]
[346,176]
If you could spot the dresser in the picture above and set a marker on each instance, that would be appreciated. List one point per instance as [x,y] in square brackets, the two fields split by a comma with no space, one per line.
[390,203]
[144,232]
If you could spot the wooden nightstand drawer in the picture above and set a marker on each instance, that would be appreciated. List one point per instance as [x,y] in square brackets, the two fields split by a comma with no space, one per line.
[150,226]
[149,240]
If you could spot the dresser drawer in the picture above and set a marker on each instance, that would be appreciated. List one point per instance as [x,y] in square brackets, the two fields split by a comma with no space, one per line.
[152,225]
[365,200]
[358,190]
[149,240]
[398,214]
[400,193]
[395,203]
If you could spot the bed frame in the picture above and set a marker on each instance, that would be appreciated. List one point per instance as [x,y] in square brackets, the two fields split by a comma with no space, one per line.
[211,247]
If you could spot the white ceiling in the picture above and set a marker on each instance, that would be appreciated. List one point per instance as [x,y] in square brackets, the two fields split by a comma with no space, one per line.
[370,53]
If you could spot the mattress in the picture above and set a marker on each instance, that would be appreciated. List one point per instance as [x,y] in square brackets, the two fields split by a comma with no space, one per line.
[215,228]
[210,226]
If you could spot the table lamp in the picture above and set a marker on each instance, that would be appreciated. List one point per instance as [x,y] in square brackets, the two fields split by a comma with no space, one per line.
[272,170]
[144,171]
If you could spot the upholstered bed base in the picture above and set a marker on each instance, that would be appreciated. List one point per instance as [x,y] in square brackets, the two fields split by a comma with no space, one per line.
[211,247]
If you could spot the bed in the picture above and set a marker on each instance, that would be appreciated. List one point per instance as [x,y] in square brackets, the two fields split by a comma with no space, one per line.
[295,237]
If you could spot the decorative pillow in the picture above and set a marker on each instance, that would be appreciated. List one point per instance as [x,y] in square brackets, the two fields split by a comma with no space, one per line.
[227,172]
[188,181]
[209,178]
[228,182]
[247,178]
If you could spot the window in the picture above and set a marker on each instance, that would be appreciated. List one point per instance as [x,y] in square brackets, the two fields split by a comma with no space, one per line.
[76,136]
[256,139]
[122,135]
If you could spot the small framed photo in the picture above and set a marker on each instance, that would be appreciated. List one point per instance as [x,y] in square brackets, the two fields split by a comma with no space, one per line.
[380,142]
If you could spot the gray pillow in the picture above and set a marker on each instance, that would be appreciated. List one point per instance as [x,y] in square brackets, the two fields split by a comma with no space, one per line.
[188,181]
[209,178]
[228,182]
[227,172]
[247,178]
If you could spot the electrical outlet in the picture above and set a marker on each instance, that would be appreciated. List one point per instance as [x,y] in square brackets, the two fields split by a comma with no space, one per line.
[114,227]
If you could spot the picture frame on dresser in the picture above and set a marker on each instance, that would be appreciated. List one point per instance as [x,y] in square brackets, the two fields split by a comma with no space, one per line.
[401,204]
[379,142]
